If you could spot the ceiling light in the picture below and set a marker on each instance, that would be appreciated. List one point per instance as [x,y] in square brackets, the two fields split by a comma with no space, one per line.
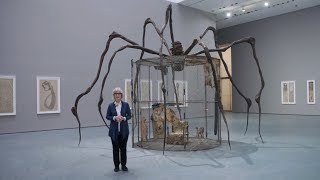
[175,1]
[228,14]
[266,4]
[243,10]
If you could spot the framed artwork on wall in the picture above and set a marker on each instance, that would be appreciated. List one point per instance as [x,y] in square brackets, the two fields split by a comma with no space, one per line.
[145,94]
[7,95]
[311,93]
[128,89]
[288,92]
[182,93]
[160,93]
[48,95]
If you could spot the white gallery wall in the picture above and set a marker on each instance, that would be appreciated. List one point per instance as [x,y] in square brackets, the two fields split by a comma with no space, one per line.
[65,39]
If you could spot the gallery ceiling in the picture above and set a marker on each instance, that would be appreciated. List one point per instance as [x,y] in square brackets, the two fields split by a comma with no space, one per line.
[242,11]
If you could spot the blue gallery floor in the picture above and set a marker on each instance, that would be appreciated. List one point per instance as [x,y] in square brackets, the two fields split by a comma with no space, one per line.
[291,150]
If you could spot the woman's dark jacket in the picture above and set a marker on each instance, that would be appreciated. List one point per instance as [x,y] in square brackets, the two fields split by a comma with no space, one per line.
[124,127]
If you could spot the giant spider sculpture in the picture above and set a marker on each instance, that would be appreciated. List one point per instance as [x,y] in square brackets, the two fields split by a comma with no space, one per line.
[176,50]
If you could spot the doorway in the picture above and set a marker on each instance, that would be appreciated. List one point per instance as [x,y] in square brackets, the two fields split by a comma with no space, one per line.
[225,84]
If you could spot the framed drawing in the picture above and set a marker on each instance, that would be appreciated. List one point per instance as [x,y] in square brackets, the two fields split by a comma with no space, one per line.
[48,95]
[160,94]
[288,92]
[145,94]
[128,88]
[311,93]
[7,95]
[182,93]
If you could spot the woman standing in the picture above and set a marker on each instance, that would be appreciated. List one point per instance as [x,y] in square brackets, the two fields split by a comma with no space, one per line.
[119,113]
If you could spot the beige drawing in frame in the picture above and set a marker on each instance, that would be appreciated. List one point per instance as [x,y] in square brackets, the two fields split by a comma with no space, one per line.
[7,95]
[160,93]
[311,93]
[48,95]
[145,94]
[288,92]
[128,89]
[182,92]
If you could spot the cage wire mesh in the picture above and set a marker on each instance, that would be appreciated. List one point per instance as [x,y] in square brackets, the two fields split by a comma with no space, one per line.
[198,109]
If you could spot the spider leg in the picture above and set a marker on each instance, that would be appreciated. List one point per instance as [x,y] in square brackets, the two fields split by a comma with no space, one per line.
[160,33]
[195,41]
[170,21]
[248,100]
[210,28]
[209,58]
[164,96]
[135,89]
[162,88]
[109,68]
[193,44]
[169,18]
[74,109]
[175,93]
[251,41]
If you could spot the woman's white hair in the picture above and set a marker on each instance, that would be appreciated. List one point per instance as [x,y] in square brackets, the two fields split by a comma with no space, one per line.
[117,90]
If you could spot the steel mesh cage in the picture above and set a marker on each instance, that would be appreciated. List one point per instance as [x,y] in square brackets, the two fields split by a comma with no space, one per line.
[185,89]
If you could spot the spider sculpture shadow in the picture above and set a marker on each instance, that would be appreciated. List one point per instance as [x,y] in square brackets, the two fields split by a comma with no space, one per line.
[176,50]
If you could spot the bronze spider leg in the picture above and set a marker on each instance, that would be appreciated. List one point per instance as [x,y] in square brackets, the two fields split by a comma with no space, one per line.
[147,21]
[215,41]
[160,33]
[163,88]
[109,68]
[251,41]
[193,44]
[248,100]
[162,75]
[169,17]
[163,43]
[74,109]
[217,85]
[175,92]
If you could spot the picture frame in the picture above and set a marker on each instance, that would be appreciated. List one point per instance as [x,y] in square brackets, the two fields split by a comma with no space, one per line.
[311,93]
[48,95]
[128,90]
[288,92]
[145,86]
[160,93]
[182,92]
[7,95]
